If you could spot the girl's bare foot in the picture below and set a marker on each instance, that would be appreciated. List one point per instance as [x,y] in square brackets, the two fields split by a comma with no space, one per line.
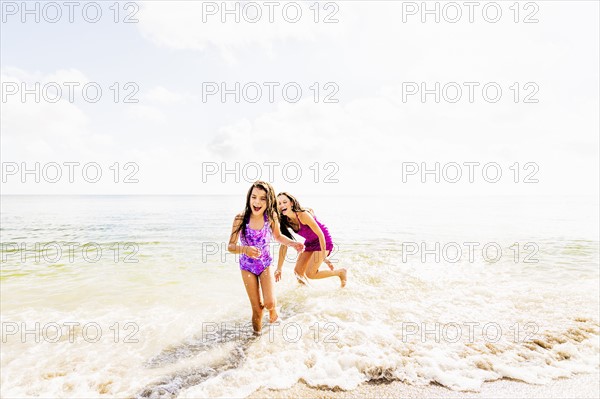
[343,277]
[301,279]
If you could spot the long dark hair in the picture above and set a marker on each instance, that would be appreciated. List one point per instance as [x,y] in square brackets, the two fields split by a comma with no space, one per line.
[284,221]
[271,210]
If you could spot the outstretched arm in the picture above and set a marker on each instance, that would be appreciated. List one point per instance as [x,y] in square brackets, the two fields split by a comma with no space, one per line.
[280,238]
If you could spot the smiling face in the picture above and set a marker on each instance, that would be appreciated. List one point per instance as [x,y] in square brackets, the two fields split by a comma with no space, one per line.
[258,201]
[284,205]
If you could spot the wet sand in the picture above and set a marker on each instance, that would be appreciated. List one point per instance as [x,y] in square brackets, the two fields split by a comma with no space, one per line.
[580,386]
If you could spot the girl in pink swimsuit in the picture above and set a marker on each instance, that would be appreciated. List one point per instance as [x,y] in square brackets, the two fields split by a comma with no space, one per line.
[257,224]
[317,241]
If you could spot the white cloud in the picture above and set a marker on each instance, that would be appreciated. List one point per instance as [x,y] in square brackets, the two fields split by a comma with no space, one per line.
[180,25]
[369,138]
[59,76]
[42,129]
[162,95]
[146,114]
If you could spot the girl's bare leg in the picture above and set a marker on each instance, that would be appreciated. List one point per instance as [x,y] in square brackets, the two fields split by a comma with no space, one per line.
[301,266]
[328,263]
[313,271]
[268,291]
[251,284]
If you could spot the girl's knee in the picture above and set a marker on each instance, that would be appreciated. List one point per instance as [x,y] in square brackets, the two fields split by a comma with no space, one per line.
[269,305]
[311,273]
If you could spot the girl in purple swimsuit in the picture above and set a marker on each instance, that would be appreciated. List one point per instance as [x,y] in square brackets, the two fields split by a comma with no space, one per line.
[317,241]
[257,224]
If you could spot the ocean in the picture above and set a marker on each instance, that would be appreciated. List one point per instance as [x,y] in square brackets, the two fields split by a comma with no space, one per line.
[136,296]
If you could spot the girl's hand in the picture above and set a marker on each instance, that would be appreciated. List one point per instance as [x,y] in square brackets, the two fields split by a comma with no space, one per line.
[297,246]
[277,275]
[253,252]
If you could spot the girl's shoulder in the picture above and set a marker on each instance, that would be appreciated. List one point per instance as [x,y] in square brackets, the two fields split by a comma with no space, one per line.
[306,214]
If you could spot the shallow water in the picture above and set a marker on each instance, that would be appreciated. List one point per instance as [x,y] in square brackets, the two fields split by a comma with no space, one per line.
[175,323]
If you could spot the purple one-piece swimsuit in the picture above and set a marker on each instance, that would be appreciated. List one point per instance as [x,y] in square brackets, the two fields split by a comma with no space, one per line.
[259,239]
[311,239]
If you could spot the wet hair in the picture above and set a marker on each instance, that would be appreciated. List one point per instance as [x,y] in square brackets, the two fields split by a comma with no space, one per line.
[271,210]
[284,221]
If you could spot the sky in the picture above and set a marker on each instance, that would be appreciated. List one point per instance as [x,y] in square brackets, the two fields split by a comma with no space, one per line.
[334,98]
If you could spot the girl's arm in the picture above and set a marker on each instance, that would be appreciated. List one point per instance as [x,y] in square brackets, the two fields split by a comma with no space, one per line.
[280,238]
[233,247]
[282,253]
[307,219]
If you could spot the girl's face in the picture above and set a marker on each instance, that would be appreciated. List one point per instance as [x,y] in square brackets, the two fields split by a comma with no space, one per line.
[258,201]
[285,205]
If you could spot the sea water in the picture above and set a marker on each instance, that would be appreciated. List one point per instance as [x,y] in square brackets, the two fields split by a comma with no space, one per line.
[136,296]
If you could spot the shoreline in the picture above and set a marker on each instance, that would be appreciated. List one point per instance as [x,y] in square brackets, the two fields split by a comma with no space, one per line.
[578,386]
